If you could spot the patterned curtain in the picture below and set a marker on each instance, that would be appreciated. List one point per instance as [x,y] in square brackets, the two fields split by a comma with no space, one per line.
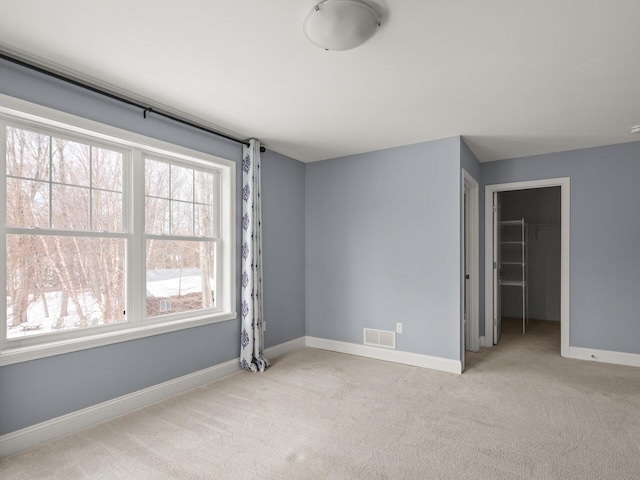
[252,333]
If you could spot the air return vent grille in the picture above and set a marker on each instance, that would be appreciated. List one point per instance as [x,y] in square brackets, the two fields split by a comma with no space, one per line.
[380,338]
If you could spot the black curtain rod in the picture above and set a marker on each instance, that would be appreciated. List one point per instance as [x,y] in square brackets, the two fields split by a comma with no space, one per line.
[145,109]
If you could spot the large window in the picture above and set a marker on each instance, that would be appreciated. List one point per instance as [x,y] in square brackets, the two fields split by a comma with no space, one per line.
[107,237]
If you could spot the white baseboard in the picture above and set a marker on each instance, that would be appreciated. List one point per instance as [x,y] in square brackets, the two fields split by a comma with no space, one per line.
[605,356]
[396,356]
[40,433]
[286,347]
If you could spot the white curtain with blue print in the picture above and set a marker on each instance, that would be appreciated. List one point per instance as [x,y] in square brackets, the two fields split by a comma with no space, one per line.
[252,331]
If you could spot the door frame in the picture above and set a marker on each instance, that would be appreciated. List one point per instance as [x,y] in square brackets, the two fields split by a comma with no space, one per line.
[470,226]
[565,253]
[497,263]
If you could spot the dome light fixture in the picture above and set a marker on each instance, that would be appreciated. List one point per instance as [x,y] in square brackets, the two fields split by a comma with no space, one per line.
[340,24]
[635,129]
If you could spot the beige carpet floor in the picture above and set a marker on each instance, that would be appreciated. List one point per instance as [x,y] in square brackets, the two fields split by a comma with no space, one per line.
[519,412]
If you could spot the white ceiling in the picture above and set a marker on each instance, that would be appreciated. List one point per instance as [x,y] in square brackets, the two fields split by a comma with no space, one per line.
[513,77]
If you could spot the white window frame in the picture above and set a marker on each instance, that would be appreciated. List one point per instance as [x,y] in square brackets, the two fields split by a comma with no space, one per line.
[136,147]
[216,240]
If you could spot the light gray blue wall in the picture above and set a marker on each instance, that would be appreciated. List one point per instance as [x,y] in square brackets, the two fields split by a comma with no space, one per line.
[283,247]
[469,161]
[34,391]
[373,240]
[605,233]
[383,246]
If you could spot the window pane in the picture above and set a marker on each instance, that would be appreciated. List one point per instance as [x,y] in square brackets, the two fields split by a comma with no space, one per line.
[157,215]
[204,185]
[63,283]
[181,218]
[27,203]
[70,162]
[181,183]
[106,169]
[27,154]
[180,276]
[156,178]
[204,221]
[107,211]
[70,209]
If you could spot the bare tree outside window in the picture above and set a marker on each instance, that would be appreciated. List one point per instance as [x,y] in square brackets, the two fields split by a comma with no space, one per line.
[67,234]
[180,271]
[107,235]
[55,279]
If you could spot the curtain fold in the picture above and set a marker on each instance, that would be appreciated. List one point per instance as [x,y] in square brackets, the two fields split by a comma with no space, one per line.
[252,330]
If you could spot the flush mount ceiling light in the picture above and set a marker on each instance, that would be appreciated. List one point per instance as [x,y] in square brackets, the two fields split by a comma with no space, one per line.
[635,129]
[340,24]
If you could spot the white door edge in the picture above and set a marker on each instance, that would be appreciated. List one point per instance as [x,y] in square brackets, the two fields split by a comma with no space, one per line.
[471,186]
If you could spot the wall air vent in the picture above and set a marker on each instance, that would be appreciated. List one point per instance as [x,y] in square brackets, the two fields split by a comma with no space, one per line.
[380,338]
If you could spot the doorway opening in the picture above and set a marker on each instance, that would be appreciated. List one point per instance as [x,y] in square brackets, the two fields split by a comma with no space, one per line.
[527,259]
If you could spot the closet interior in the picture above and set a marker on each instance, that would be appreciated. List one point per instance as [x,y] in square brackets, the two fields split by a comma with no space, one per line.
[529,273]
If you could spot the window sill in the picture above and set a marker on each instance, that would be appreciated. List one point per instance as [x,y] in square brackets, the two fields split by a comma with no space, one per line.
[9,356]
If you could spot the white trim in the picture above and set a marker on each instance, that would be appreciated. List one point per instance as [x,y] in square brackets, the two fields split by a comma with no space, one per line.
[565,248]
[55,122]
[284,348]
[49,430]
[3,238]
[473,232]
[29,437]
[33,352]
[565,267]
[396,356]
[605,356]
[32,112]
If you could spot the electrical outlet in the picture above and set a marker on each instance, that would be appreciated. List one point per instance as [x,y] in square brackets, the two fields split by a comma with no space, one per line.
[398,327]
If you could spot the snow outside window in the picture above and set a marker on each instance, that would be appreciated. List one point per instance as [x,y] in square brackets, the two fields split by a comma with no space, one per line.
[107,237]
[57,280]
[180,238]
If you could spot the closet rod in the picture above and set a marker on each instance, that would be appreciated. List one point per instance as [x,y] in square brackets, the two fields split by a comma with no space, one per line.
[145,109]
